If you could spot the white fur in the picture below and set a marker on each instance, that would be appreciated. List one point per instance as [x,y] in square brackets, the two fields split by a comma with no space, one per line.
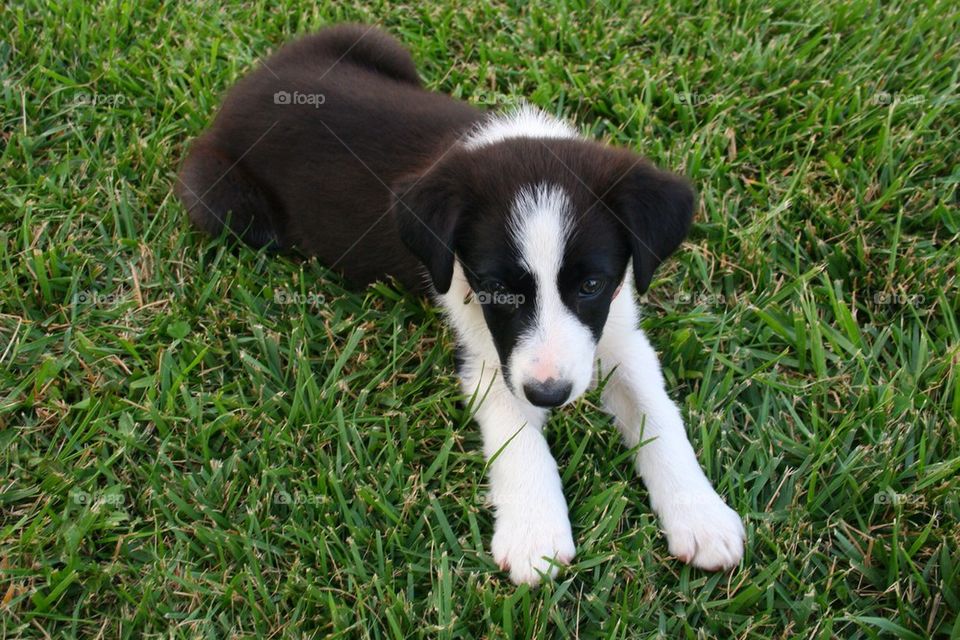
[700,528]
[532,534]
[526,121]
[557,345]
[532,526]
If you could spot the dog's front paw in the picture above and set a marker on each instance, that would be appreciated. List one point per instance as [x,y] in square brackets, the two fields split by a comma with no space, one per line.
[703,531]
[529,544]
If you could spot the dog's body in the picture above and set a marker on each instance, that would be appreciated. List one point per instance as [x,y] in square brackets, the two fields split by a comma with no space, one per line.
[527,233]
[318,177]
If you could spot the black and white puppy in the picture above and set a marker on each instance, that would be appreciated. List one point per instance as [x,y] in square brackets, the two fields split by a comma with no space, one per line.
[522,230]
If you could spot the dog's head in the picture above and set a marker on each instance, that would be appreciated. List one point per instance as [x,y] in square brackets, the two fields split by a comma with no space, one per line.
[543,229]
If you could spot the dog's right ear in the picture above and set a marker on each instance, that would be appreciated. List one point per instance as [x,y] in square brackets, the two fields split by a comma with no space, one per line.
[427,209]
[657,209]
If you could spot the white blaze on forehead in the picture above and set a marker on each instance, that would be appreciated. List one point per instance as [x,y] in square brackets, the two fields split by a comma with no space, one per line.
[540,223]
[524,122]
[557,345]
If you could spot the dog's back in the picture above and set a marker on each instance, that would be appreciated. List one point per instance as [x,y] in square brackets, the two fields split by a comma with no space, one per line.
[306,150]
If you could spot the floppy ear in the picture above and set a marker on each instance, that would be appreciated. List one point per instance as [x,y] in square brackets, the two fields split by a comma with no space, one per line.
[427,209]
[657,209]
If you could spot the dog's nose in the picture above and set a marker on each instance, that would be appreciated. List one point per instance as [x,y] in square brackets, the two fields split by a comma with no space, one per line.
[549,393]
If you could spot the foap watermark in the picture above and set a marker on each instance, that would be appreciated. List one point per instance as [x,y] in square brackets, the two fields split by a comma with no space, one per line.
[296,498]
[95,298]
[94,99]
[495,100]
[887,98]
[701,299]
[893,299]
[500,298]
[696,99]
[286,97]
[87,498]
[886,497]
[282,296]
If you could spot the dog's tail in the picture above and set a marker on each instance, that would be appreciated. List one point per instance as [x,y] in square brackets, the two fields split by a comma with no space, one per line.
[221,197]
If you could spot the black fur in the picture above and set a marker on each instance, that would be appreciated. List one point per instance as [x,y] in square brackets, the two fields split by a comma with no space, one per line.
[316,179]
[373,183]
[624,206]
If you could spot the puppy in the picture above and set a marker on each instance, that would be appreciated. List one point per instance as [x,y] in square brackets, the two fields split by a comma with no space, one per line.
[531,238]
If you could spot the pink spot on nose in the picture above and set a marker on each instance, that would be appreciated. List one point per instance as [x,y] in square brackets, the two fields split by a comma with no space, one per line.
[543,369]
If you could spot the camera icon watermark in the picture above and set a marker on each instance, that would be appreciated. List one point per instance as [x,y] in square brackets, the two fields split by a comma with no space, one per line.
[297,98]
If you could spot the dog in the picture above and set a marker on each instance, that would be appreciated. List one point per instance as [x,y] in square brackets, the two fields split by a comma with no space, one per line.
[532,239]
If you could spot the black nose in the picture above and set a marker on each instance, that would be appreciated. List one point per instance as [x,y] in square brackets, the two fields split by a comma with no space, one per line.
[550,393]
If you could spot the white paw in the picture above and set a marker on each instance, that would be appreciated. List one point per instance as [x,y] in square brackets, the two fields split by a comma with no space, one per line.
[703,531]
[525,543]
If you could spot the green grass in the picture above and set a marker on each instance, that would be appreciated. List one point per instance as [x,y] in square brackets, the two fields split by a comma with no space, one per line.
[181,455]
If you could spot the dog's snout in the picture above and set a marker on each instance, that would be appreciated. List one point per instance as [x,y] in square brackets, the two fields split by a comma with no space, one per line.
[549,393]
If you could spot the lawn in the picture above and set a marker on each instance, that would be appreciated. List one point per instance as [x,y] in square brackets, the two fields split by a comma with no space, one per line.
[198,440]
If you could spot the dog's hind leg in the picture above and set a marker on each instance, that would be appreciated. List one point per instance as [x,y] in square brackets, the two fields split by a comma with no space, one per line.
[221,197]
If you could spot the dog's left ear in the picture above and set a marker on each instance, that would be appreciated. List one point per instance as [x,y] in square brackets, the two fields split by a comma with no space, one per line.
[657,208]
[427,209]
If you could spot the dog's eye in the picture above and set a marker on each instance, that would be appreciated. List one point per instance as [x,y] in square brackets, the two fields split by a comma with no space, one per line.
[591,287]
[496,286]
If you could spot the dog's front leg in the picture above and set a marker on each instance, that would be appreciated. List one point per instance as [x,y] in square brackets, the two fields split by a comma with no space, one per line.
[700,528]
[532,531]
